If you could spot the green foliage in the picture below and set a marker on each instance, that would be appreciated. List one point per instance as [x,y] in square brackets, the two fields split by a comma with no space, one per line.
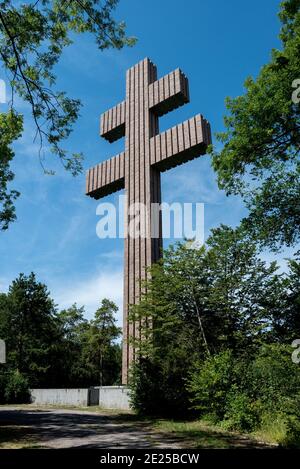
[210,384]
[273,428]
[243,392]
[10,129]
[292,418]
[157,385]
[143,390]
[241,413]
[260,155]
[176,334]
[50,349]
[2,386]
[17,389]
[222,322]
[87,352]
[71,366]
[200,303]
[33,37]
[274,377]
[14,388]
[29,328]
[103,352]
[292,300]
[239,285]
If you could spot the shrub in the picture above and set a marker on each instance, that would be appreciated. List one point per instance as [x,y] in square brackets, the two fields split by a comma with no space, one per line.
[241,413]
[143,388]
[292,437]
[292,418]
[2,387]
[251,393]
[210,384]
[16,388]
[159,391]
[273,377]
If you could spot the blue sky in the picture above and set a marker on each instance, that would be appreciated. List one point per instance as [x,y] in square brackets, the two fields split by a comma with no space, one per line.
[217,44]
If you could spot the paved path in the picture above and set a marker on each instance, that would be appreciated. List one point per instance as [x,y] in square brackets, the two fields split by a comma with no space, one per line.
[61,428]
[28,426]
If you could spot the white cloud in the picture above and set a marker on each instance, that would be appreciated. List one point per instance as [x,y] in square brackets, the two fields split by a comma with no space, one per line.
[90,291]
[195,181]
[72,232]
[83,57]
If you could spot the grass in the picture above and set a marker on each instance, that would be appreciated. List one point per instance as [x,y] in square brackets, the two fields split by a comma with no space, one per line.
[40,408]
[273,430]
[195,434]
[201,434]
[277,428]
[17,437]
[198,433]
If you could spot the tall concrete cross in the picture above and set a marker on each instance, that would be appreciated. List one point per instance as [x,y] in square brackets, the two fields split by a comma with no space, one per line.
[147,154]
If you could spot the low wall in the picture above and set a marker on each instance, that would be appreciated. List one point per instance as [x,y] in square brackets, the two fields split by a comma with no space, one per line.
[114,397]
[60,396]
[110,397]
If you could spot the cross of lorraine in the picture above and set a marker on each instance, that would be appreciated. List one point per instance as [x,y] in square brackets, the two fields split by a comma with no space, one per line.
[137,170]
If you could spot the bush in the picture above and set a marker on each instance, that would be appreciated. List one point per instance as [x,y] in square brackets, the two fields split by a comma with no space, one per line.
[2,388]
[144,397]
[240,392]
[16,389]
[210,384]
[292,418]
[273,377]
[293,432]
[158,391]
[241,413]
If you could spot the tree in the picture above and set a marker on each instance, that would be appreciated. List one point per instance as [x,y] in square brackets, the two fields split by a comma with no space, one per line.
[72,368]
[198,303]
[285,304]
[46,348]
[104,352]
[33,36]
[240,288]
[87,352]
[292,319]
[11,125]
[28,325]
[260,156]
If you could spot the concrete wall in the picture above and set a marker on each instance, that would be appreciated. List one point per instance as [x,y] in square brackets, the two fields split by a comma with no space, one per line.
[110,397]
[114,397]
[60,396]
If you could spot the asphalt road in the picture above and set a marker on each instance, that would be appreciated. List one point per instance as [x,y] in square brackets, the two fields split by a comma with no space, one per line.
[61,428]
[32,427]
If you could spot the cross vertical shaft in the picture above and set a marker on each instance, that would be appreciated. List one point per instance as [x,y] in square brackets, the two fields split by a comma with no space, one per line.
[142,185]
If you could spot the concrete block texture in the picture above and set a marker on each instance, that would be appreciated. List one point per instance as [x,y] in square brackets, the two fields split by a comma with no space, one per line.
[114,397]
[147,153]
[76,397]
[109,397]
[106,178]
